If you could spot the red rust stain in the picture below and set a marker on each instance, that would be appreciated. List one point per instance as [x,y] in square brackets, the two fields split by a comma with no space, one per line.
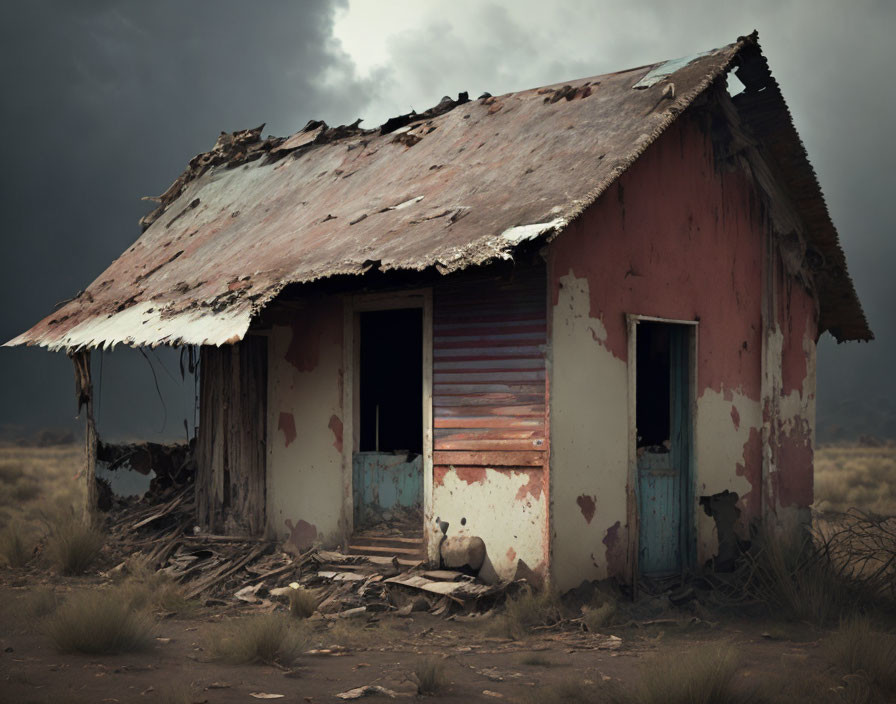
[792,483]
[615,552]
[681,248]
[471,475]
[321,321]
[511,555]
[301,535]
[751,470]
[735,417]
[288,425]
[336,426]
[587,506]
[798,322]
[533,486]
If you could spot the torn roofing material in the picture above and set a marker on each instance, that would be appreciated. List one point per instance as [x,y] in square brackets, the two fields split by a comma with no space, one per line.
[459,185]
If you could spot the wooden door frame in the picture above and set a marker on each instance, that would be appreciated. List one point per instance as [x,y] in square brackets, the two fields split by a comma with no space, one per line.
[353,306]
[633,519]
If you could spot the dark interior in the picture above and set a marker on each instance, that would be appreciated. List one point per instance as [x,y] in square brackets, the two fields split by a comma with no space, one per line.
[392,380]
[653,403]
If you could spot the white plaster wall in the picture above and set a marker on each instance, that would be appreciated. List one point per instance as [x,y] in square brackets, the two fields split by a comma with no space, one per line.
[589,439]
[304,478]
[720,446]
[504,509]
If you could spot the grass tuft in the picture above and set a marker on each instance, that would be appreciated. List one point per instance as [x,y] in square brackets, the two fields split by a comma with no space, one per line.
[537,660]
[39,604]
[145,588]
[526,610]
[866,654]
[431,676]
[704,675]
[268,638]
[13,550]
[73,546]
[99,622]
[303,602]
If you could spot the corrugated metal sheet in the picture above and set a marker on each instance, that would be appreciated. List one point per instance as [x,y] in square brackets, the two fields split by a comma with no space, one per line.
[450,190]
[489,371]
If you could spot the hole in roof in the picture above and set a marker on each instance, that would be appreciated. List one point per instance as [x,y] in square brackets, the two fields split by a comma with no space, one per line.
[735,85]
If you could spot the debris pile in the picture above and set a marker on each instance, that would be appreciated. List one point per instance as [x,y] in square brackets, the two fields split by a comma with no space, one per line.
[230,570]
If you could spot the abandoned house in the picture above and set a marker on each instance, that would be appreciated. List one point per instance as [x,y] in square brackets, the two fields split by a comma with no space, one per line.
[578,322]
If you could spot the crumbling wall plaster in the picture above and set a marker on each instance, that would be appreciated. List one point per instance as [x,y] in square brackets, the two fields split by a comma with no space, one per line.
[675,238]
[479,507]
[589,431]
[304,482]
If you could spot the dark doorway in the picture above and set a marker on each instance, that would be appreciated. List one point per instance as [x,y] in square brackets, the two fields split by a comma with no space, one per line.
[663,418]
[391,384]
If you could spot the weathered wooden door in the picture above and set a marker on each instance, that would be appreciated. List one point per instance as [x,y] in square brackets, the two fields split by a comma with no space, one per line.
[664,467]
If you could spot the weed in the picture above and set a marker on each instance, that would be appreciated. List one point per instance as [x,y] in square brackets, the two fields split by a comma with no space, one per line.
[99,622]
[73,546]
[265,638]
[526,610]
[13,550]
[866,653]
[597,617]
[431,676]
[303,602]
[147,588]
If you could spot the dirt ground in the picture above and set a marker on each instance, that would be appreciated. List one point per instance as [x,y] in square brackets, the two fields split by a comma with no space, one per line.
[179,668]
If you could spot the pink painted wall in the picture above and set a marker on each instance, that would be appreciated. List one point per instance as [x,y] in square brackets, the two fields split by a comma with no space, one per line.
[674,238]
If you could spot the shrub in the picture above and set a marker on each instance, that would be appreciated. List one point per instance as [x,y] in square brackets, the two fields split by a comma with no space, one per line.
[145,588]
[526,610]
[866,653]
[72,545]
[303,602]
[704,675]
[431,676]
[265,638]
[99,622]
[13,550]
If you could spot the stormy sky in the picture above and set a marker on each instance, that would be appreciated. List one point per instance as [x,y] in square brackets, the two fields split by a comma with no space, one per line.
[105,101]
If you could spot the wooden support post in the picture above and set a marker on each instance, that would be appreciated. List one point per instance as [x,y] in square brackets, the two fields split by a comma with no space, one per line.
[84,396]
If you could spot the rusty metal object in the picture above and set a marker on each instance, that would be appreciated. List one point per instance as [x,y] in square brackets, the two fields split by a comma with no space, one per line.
[466,185]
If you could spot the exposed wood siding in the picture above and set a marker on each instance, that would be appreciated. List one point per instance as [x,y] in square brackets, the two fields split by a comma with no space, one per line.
[230,482]
[489,371]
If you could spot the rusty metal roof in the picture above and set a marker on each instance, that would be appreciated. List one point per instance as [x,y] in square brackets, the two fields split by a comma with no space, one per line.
[462,184]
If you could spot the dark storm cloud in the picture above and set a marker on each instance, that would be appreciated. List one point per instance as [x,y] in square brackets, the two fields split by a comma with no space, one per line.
[106,101]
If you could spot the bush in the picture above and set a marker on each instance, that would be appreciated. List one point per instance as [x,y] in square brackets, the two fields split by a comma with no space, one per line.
[867,653]
[73,546]
[303,602]
[99,623]
[704,675]
[145,588]
[268,638]
[13,550]
[526,610]
[431,676]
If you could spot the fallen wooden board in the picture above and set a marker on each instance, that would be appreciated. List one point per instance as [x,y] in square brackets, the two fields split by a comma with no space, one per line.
[444,575]
[462,590]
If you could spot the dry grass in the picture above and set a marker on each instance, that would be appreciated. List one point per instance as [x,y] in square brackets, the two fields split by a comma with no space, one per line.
[146,588]
[303,602]
[38,604]
[99,622]
[866,653]
[431,676]
[856,476]
[525,611]
[268,638]
[73,546]
[14,552]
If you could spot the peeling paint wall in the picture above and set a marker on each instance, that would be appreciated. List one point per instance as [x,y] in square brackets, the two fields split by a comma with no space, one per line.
[675,238]
[305,493]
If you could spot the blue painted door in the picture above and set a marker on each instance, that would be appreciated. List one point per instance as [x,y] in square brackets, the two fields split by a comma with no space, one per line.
[664,468]
[384,483]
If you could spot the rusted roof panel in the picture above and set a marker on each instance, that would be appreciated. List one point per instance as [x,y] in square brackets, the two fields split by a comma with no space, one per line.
[460,185]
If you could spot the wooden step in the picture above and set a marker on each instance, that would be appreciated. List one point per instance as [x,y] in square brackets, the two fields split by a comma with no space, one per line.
[395,541]
[385,550]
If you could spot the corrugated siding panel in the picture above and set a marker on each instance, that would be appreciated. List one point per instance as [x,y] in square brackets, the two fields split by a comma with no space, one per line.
[489,370]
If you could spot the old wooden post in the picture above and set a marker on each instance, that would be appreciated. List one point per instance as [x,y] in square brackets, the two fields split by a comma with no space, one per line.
[84,396]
